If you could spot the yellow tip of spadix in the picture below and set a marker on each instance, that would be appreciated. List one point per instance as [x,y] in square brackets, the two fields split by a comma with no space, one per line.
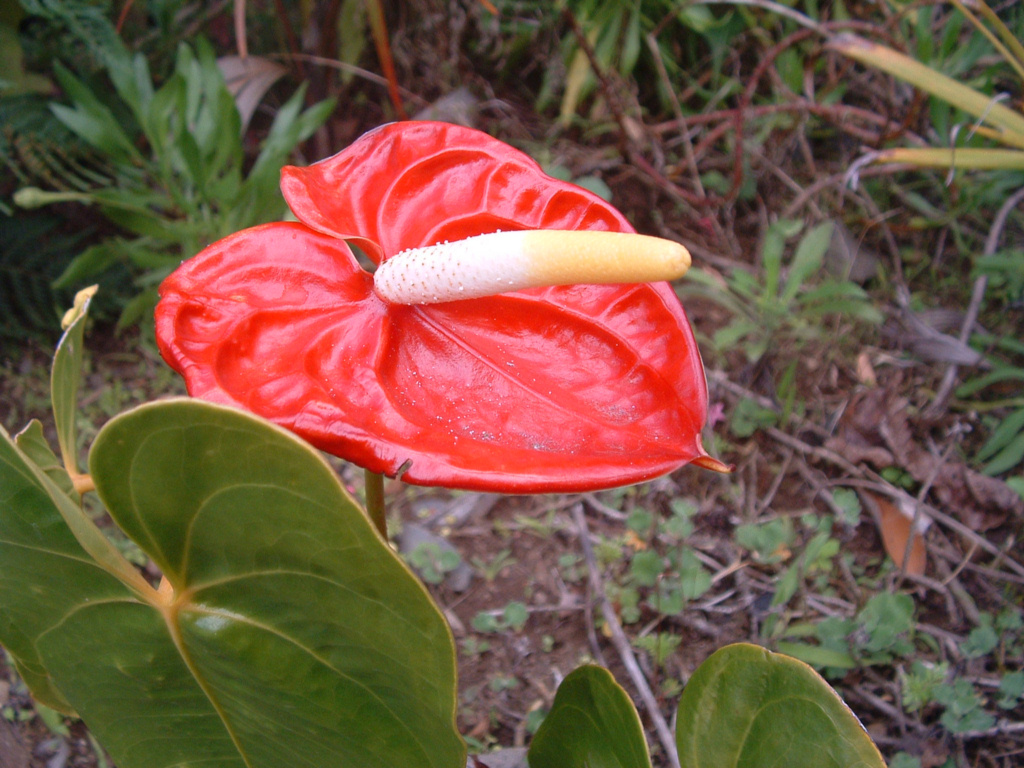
[510,261]
[568,257]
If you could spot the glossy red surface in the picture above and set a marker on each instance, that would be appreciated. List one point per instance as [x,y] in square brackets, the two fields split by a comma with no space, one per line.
[553,389]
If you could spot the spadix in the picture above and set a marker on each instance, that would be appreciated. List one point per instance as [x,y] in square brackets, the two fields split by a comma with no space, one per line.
[501,262]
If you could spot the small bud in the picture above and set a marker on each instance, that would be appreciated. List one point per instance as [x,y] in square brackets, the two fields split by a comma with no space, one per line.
[501,262]
[33,197]
[81,302]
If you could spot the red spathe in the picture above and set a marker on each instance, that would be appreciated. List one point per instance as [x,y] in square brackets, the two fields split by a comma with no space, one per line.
[555,389]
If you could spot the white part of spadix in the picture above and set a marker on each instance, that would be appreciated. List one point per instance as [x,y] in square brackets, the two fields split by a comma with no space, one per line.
[487,265]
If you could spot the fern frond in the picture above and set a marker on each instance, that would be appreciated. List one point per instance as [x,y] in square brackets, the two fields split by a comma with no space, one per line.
[40,151]
[85,24]
[33,252]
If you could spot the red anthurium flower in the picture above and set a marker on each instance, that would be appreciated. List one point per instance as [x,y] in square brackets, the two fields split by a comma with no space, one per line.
[540,389]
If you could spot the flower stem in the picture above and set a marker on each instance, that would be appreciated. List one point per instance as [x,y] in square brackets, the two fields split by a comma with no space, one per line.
[374,485]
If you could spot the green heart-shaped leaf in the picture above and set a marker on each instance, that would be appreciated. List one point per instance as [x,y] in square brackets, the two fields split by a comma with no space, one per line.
[746,707]
[592,724]
[287,633]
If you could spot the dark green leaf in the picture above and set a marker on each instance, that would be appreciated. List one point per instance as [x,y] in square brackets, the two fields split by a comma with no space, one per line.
[131,79]
[646,567]
[32,443]
[92,120]
[592,724]
[747,707]
[999,375]
[807,260]
[694,579]
[1008,458]
[45,573]
[293,634]
[92,261]
[1003,435]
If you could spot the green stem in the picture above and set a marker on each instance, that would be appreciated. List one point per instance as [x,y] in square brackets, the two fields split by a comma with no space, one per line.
[374,484]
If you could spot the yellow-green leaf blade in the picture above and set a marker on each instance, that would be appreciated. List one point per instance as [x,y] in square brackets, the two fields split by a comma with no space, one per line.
[66,376]
[985,108]
[971,158]
[32,442]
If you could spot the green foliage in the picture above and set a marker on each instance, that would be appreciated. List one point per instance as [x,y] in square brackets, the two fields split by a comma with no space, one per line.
[679,524]
[881,632]
[784,305]
[664,573]
[1003,451]
[608,734]
[512,617]
[75,29]
[982,640]
[964,707]
[962,703]
[748,417]
[570,567]
[659,645]
[500,683]
[847,502]
[920,684]
[627,598]
[994,121]
[646,568]
[904,760]
[618,35]
[432,562]
[66,378]
[474,646]
[693,580]
[1005,273]
[886,624]
[492,569]
[37,148]
[1011,690]
[652,47]
[178,173]
[770,542]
